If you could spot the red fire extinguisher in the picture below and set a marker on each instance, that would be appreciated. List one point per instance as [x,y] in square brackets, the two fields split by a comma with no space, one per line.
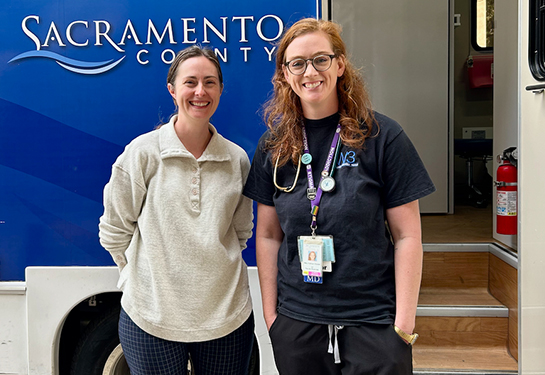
[506,192]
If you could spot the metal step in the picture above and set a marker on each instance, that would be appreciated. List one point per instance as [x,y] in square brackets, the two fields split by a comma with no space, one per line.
[454,372]
[463,311]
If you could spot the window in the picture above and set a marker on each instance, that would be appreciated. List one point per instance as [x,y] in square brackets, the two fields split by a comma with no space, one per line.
[482,24]
[536,43]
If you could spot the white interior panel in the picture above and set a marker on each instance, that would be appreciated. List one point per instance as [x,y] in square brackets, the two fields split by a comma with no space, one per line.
[403,47]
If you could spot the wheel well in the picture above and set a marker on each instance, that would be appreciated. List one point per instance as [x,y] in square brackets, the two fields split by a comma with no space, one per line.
[76,322]
[94,308]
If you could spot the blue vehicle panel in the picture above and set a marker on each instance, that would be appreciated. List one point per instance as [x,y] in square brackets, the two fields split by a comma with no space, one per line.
[80,79]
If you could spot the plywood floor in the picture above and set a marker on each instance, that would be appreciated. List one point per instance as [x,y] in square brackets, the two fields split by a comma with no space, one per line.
[485,359]
[467,224]
[456,297]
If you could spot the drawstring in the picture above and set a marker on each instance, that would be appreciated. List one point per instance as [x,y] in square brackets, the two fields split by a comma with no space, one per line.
[330,331]
[331,349]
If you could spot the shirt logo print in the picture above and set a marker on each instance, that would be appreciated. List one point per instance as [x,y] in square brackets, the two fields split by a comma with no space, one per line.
[347,159]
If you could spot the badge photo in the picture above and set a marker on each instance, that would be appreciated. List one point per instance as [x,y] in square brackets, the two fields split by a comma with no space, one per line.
[311,264]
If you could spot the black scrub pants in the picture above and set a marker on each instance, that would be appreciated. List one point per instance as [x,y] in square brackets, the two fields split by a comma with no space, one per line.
[369,349]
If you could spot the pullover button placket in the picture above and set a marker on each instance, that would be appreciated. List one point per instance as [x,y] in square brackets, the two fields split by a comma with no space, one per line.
[194,191]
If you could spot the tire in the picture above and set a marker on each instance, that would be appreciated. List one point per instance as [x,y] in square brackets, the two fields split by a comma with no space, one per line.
[99,352]
[97,346]
[116,363]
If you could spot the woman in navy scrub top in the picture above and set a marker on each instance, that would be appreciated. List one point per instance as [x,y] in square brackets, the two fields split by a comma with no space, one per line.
[333,177]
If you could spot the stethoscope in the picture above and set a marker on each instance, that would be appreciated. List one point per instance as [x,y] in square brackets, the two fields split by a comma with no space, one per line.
[289,189]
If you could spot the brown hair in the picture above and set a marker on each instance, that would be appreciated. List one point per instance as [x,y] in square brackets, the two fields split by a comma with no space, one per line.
[189,52]
[283,113]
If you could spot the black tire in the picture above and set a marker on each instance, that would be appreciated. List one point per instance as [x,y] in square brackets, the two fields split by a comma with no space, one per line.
[97,342]
[101,338]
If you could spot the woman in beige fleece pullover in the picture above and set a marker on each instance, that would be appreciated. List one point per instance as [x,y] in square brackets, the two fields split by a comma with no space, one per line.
[175,222]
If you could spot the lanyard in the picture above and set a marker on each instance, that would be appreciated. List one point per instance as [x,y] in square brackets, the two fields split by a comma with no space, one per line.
[313,193]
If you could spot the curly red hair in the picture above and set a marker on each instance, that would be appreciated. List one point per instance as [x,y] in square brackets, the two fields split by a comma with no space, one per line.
[283,113]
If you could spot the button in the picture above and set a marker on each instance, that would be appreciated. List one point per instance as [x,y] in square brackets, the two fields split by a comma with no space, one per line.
[195,191]
[120,260]
[194,180]
[194,169]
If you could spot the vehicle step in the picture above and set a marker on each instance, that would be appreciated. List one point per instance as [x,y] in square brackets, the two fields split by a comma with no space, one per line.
[458,360]
[479,372]
[463,311]
[505,254]
[463,317]
[430,296]
[457,247]
[462,344]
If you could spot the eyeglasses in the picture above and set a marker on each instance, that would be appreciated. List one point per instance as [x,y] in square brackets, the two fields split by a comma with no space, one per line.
[299,66]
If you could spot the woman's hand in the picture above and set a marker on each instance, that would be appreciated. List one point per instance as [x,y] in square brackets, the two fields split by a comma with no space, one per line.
[269,320]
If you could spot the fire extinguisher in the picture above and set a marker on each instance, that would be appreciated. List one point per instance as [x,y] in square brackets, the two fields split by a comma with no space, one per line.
[506,192]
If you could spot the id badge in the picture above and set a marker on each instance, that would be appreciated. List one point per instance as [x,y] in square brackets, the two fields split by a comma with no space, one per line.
[328,256]
[313,250]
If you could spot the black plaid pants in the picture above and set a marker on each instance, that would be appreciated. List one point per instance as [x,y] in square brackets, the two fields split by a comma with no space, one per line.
[150,355]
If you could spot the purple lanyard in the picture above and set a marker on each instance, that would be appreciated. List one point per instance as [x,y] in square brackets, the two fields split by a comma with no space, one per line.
[312,191]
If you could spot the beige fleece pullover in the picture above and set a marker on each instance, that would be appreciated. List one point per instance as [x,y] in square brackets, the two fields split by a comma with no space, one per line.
[176,227]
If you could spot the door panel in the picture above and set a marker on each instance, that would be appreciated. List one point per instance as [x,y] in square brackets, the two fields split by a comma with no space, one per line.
[531,202]
[403,47]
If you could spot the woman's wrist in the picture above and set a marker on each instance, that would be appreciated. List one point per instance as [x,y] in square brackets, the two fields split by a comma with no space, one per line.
[406,325]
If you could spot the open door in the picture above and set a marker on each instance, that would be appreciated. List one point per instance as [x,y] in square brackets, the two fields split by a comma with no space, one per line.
[403,47]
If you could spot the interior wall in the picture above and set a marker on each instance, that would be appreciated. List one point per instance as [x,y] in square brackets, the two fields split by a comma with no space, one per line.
[472,107]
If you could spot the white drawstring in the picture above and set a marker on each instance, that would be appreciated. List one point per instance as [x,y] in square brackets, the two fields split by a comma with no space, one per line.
[331,348]
[330,331]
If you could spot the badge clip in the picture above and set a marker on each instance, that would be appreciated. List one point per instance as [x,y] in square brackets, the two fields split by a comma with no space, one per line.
[311,193]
